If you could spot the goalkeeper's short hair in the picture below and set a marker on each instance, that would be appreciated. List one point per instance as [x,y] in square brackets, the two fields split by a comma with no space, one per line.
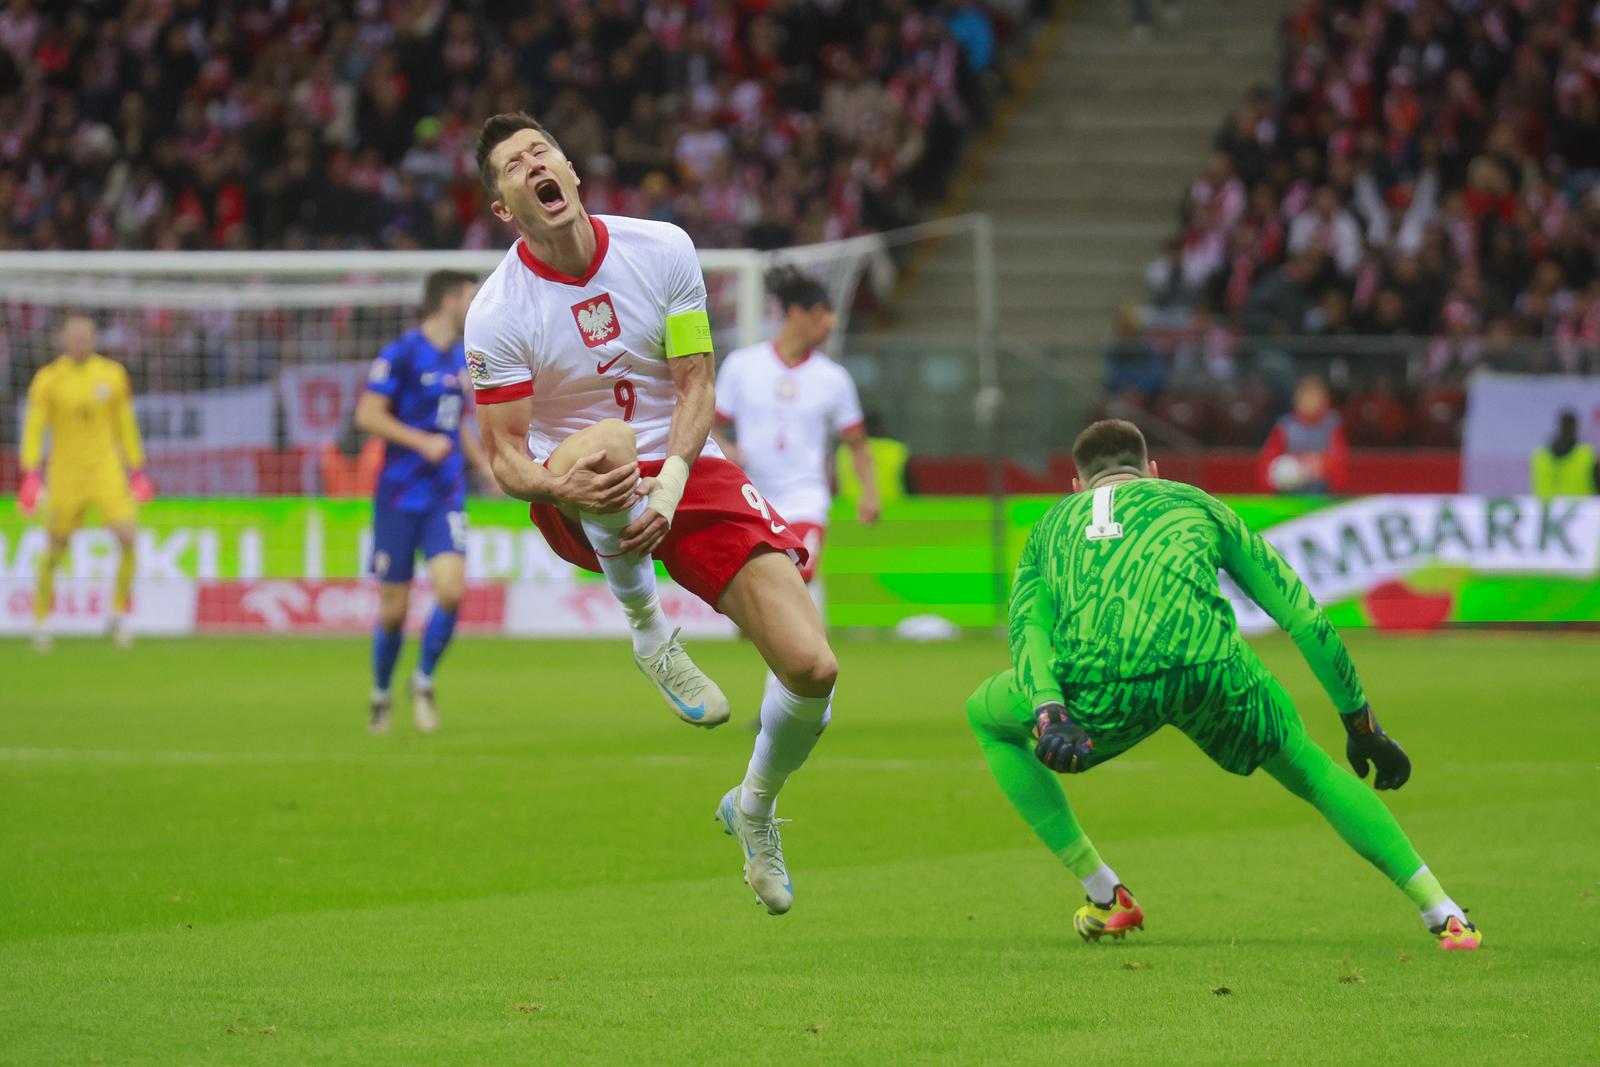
[1108,445]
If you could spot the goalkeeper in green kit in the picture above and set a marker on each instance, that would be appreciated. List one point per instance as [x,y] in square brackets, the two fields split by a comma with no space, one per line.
[1119,627]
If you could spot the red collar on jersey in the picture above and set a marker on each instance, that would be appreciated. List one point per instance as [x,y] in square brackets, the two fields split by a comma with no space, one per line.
[602,241]
[779,356]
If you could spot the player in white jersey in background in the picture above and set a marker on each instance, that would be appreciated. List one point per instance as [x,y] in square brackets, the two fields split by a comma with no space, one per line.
[784,401]
[590,352]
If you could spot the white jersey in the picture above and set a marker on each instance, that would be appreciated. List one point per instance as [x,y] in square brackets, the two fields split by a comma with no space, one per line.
[589,348]
[786,419]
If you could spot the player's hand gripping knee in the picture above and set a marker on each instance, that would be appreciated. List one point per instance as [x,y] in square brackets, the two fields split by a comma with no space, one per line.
[1369,742]
[1063,745]
[584,489]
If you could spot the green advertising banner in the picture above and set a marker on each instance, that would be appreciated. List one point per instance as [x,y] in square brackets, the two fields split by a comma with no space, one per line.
[1393,561]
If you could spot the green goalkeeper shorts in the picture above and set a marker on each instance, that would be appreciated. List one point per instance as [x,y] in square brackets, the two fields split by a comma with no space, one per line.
[1234,709]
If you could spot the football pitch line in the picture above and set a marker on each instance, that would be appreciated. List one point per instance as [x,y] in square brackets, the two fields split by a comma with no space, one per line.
[146,757]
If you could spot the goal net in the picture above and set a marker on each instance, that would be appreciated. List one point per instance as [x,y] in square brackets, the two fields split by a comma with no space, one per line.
[246,370]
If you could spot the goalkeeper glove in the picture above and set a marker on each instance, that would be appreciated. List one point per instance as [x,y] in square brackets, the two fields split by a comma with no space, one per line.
[140,487]
[1063,745]
[1369,742]
[28,492]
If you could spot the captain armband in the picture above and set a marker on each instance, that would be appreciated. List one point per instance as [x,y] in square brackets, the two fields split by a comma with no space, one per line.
[688,334]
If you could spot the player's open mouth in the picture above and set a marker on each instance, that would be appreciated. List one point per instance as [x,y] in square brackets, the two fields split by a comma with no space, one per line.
[548,190]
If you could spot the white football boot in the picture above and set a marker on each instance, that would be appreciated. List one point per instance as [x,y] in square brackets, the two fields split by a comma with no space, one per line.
[378,705]
[423,713]
[121,632]
[43,640]
[764,868]
[688,691]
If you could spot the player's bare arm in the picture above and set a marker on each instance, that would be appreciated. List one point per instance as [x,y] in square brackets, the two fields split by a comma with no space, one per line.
[587,486]
[479,458]
[694,382]
[374,416]
[868,507]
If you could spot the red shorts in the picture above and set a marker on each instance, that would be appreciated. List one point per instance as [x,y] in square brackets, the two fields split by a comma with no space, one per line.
[811,535]
[720,522]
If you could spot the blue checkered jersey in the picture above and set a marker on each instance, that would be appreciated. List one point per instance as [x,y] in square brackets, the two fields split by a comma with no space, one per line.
[426,389]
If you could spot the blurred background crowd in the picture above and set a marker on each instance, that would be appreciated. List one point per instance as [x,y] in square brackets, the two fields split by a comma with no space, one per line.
[268,124]
[1422,176]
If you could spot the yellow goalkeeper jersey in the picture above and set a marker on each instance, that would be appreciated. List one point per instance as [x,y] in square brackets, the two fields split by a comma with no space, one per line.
[88,409]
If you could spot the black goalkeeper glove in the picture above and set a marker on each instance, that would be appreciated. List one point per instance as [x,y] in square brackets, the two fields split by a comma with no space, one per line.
[1369,742]
[1063,746]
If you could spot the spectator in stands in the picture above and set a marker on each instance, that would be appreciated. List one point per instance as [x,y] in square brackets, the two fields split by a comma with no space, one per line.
[1131,361]
[1307,451]
[1445,157]
[1279,302]
[262,124]
[1566,466]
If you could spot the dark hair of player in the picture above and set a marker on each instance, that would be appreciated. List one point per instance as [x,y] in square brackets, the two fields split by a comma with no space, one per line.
[440,284]
[497,128]
[1108,445]
[795,288]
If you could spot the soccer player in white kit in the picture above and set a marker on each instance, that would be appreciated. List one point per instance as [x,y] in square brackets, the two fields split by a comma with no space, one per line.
[785,402]
[590,352]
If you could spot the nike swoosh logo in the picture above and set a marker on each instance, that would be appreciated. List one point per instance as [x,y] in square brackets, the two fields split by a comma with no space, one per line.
[696,713]
[601,368]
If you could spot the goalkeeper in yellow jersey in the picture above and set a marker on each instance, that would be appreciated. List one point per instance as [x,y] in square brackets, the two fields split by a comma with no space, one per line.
[85,402]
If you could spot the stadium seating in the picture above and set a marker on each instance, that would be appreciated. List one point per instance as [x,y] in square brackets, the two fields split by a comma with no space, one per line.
[1429,175]
[749,123]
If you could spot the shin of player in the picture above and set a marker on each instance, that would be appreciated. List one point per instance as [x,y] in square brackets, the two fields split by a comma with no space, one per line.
[85,401]
[413,400]
[591,352]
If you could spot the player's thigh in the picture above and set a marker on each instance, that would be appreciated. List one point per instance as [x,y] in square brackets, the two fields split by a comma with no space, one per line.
[395,538]
[1238,714]
[115,504]
[612,436]
[767,600]
[65,506]
[998,710]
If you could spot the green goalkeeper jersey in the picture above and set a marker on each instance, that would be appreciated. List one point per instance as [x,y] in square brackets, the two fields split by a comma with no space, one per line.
[1121,582]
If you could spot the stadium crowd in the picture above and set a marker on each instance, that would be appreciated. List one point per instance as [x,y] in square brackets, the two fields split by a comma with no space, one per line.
[265,124]
[1427,174]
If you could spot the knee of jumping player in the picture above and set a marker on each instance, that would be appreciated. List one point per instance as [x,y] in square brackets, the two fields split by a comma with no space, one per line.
[811,673]
[612,436]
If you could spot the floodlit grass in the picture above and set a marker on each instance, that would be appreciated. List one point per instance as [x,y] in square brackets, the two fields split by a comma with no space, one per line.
[207,860]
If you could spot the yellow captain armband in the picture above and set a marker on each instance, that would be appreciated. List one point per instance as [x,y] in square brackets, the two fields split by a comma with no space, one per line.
[688,334]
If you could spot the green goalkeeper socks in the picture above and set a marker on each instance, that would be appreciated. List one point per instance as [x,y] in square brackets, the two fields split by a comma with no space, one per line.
[1032,788]
[1355,811]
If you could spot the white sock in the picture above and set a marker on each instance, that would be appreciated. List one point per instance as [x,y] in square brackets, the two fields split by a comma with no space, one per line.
[422,681]
[630,576]
[790,726]
[1440,913]
[1102,885]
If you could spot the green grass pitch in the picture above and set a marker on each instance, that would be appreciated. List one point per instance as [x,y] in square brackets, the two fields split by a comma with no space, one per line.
[205,859]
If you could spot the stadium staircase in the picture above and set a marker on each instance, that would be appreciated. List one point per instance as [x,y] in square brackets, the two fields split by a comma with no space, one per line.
[1086,166]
